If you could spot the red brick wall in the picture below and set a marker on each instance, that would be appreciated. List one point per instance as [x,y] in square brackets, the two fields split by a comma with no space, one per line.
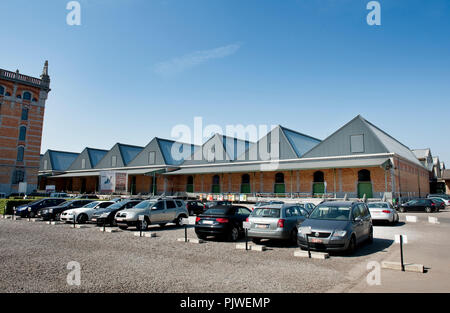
[10,115]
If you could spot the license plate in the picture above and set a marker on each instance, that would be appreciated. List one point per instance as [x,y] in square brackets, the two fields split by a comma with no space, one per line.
[263,226]
[208,222]
[315,240]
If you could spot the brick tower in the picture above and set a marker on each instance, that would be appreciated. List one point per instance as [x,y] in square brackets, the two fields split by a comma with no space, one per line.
[22,105]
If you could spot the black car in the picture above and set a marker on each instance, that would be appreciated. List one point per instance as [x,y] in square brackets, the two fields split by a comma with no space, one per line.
[426,205]
[54,212]
[195,207]
[106,216]
[223,221]
[31,209]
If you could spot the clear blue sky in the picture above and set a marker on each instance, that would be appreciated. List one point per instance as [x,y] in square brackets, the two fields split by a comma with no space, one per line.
[136,68]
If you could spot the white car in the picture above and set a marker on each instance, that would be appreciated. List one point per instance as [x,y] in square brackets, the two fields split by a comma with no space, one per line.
[383,211]
[84,214]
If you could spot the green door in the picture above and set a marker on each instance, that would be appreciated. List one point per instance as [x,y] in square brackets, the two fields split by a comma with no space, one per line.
[365,188]
[245,188]
[280,188]
[189,188]
[215,188]
[318,188]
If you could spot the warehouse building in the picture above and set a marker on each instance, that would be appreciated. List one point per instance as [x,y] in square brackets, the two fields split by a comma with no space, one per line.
[358,160]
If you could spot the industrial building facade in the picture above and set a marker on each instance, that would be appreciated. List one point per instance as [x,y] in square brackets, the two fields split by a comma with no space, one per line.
[358,160]
[22,106]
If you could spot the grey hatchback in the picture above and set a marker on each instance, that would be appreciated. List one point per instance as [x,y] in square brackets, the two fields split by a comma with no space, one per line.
[336,226]
[276,221]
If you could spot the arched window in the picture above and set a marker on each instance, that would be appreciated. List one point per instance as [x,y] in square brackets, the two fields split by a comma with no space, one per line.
[20,153]
[364,176]
[216,184]
[27,95]
[318,177]
[2,90]
[24,114]
[190,184]
[279,183]
[22,133]
[245,183]
[279,178]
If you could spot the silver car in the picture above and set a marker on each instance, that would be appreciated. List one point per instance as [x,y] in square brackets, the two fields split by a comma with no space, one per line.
[336,226]
[383,211]
[154,211]
[276,221]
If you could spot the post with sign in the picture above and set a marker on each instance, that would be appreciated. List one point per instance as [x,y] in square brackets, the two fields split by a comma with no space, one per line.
[14,213]
[104,224]
[73,220]
[246,226]
[307,231]
[141,220]
[401,239]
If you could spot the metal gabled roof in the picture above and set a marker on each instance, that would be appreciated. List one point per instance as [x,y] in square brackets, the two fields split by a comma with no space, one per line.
[58,160]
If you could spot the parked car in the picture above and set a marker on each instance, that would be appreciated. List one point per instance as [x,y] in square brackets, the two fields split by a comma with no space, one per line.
[383,211]
[59,195]
[84,214]
[426,205]
[444,198]
[210,204]
[195,207]
[276,221]
[31,209]
[336,226]
[155,211]
[54,212]
[439,204]
[223,221]
[106,215]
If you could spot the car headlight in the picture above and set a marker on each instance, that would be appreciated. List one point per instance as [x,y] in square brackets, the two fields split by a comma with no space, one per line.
[339,233]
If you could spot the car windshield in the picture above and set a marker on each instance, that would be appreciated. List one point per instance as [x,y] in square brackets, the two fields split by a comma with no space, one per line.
[266,212]
[145,205]
[91,205]
[324,212]
[378,206]
[117,205]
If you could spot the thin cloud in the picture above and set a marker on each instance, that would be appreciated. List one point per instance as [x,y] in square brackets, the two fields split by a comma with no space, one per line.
[178,65]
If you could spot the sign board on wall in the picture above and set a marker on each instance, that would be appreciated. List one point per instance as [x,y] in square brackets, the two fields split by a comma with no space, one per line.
[112,181]
[22,187]
[50,188]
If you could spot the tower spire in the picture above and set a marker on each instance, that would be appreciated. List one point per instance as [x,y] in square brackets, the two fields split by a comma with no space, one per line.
[45,78]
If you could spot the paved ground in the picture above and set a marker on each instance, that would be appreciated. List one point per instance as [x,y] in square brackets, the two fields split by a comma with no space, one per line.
[34,256]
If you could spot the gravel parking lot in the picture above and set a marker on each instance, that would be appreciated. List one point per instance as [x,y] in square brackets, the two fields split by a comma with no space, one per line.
[34,257]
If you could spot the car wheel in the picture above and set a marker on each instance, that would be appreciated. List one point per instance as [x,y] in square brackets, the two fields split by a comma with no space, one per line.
[58,216]
[370,238]
[178,220]
[82,219]
[32,214]
[428,209]
[351,246]
[256,241]
[142,225]
[234,234]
